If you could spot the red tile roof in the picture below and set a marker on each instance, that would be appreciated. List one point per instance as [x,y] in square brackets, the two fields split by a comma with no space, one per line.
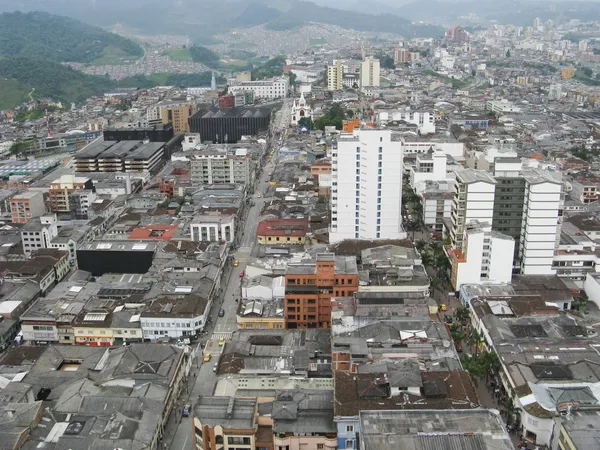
[282,227]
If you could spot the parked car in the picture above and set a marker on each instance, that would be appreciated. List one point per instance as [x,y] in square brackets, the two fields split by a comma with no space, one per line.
[221,312]
[242,274]
[216,367]
[236,263]
[207,357]
[187,410]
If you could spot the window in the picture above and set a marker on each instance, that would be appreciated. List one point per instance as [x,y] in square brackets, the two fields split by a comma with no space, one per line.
[379,171]
[378,221]
[380,148]
[349,443]
[320,446]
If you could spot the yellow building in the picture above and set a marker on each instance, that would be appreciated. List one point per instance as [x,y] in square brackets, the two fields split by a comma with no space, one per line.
[569,72]
[282,231]
[177,114]
[335,76]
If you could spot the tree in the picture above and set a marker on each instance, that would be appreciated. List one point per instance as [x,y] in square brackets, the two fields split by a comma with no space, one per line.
[434,283]
[462,314]
[475,340]
[420,245]
[412,225]
[306,122]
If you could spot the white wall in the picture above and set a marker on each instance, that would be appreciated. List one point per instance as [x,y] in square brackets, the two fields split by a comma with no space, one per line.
[501,259]
[540,227]
[366,187]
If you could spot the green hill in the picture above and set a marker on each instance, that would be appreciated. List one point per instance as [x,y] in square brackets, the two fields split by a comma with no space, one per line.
[20,77]
[39,35]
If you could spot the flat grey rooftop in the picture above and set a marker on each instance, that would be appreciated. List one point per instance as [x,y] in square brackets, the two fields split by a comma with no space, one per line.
[478,429]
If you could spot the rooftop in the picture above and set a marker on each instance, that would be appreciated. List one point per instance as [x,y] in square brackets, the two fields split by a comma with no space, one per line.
[434,430]
[227,412]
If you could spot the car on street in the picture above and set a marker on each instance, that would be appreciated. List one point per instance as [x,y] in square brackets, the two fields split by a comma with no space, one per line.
[221,312]
[236,263]
[259,195]
[266,180]
[221,341]
[443,307]
[187,410]
[207,357]
[242,274]
[216,367]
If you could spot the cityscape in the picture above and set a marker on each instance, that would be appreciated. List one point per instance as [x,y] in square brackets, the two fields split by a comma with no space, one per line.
[293,233]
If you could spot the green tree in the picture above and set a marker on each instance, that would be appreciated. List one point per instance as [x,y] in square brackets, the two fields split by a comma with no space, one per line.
[306,122]
[420,245]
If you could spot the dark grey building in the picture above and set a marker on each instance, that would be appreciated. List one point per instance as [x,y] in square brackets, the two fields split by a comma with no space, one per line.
[229,125]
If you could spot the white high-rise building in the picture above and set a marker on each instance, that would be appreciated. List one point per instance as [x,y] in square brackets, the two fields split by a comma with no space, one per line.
[524,205]
[486,256]
[366,186]
[541,223]
[335,75]
[369,72]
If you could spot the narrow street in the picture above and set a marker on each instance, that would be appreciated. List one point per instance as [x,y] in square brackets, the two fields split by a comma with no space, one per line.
[202,380]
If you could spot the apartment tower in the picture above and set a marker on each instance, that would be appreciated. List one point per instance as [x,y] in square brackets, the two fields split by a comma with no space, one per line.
[366,191]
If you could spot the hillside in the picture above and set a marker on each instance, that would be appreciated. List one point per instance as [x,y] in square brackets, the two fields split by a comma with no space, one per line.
[46,79]
[202,18]
[39,35]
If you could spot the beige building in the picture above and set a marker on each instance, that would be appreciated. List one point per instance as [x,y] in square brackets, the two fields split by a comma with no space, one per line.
[335,76]
[177,114]
[26,205]
[369,72]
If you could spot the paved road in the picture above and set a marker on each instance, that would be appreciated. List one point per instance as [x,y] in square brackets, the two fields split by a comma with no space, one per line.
[179,434]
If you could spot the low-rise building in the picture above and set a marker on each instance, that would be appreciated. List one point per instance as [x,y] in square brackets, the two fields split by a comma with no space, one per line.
[282,231]
[61,190]
[38,233]
[262,89]
[175,316]
[261,314]
[213,227]
[414,430]
[27,205]
[225,422]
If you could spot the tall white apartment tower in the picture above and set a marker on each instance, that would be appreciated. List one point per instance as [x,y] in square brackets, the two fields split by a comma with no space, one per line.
[366,186]
[542,221]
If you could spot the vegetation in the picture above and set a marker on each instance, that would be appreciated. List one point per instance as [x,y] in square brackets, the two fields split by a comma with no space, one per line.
[457,84]
[38,35]
[272,68]
[334,116]
[585,154]
[485,363]
[179,54]
[46,79]
[204,56]
[33,113]
[386,61]
[12,93]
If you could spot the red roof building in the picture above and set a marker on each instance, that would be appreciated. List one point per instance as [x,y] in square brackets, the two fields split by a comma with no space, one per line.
[154,232]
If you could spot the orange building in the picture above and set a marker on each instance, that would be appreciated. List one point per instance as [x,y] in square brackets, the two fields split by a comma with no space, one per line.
[154,232]
[349,125]
[309,288]
[27,205]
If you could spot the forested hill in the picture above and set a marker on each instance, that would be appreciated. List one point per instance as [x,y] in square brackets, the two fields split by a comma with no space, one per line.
[39,35]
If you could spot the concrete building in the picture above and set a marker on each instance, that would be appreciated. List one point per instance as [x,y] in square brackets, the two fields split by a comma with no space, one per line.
[369,72]
[310,286]
[424,429]
[262,89]
[424,120]
[501,106]
[473,200]
[213,227]
[220,167]
[177,114]
[61,189]
[366,195]
[175,316]
[38,233]
[286,231]
[225,422]
[27,205]
[541,221]
[430,166]
[335,76]
[139,157]
[486,256]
